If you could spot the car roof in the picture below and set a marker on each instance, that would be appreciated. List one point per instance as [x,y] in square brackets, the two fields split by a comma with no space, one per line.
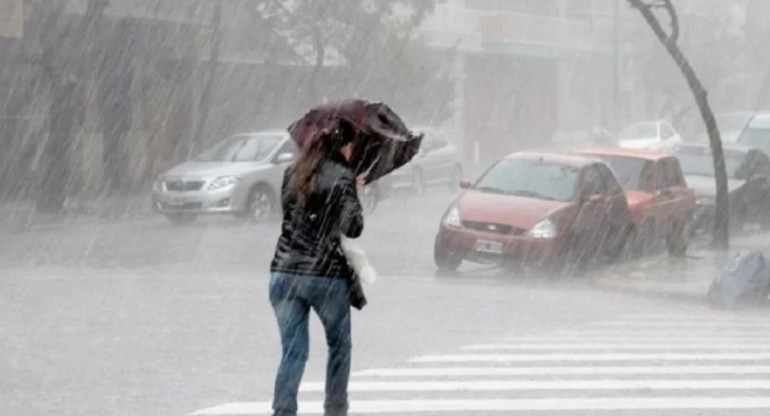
[624,152]
[555,158]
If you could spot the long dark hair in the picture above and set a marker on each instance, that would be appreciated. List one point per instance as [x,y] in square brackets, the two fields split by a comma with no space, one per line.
[328,144]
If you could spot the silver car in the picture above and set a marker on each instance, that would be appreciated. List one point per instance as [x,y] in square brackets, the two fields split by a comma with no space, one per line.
[241,176]
[438,162]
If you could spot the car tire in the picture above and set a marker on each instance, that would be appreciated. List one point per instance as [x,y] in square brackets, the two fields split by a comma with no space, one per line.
[677,240]
[418,182]
[260,204]
[181,218]
[644,241]
[446,260]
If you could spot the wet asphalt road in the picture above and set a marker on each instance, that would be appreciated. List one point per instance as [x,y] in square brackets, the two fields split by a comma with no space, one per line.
[142,317]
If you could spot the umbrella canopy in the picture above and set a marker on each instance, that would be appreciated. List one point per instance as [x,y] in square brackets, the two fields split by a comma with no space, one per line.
[382,143]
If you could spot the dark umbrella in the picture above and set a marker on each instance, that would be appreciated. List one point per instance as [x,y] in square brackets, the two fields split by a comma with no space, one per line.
[383,143]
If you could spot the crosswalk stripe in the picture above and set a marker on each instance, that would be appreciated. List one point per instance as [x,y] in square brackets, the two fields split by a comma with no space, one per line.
[513,385]
[641,339]
[545,371]
[520,405]
[611,346]
[460,358]
[668,324]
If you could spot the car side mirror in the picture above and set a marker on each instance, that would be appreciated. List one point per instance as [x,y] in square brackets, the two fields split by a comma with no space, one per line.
[465,185]
[285,158]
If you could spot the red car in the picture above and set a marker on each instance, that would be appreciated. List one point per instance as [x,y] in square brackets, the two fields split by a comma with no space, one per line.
[660,201]
[538,208]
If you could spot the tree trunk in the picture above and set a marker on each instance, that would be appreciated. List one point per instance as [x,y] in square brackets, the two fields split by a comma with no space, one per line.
[721,225]
[208,90]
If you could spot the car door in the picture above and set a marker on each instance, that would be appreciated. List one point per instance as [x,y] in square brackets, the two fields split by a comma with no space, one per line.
[592,201]
[280,162]
[757,175]
[672,198]
[616,212]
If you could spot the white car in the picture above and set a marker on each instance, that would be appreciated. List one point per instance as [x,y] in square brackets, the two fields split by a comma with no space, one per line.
[654,135]
[757,133]
[439,162]
[240,176]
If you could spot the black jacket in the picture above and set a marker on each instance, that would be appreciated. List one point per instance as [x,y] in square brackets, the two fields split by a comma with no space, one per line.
[310,235]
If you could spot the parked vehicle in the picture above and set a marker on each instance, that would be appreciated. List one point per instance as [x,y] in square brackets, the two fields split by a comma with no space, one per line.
[657,135]
[536,208]
[731,125]
[439,162]
[657,194]
[748,170]
[240,176]
[757,133]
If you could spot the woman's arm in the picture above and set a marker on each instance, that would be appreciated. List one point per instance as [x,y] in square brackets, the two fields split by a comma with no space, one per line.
[352,214]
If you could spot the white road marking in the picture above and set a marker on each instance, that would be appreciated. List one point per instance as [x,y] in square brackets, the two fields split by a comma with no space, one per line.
[523,405]
[500,358]
[684,325]
[613,346]
[524,385]
[546,371]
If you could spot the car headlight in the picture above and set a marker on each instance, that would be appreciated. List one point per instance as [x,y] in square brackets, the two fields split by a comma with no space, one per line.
[223,182]
[544,229]
[158,185]
[452,217]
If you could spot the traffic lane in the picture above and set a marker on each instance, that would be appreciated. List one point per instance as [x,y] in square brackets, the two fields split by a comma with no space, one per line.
[170,340]
[398,237]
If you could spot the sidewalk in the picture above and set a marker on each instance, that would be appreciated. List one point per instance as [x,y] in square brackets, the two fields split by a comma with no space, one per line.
[21,215]
[686,278]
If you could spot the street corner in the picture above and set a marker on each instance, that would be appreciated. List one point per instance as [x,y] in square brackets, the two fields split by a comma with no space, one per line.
[686,278]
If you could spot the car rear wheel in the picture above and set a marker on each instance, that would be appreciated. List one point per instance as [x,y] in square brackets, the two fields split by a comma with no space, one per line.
[181,219]
[644,242]
[677,240]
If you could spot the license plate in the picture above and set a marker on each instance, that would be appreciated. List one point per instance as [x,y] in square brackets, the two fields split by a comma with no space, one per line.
[178,201]
[486,246]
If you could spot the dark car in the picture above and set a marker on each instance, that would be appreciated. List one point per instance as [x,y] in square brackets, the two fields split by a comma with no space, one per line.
[748,170]
[536,208]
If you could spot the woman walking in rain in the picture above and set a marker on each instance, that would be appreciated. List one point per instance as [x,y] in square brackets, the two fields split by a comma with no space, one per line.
[310,270]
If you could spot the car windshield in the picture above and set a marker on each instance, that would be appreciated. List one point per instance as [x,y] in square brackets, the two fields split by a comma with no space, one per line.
[640,131]
[758,137]
[632,173]
[242,148]
[732,122]
[530,178]
[698,161]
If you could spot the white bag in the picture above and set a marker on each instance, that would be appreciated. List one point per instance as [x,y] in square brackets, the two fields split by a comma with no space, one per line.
[358,261]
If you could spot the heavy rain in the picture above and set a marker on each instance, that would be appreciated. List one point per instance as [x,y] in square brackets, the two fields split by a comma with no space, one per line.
[376,207]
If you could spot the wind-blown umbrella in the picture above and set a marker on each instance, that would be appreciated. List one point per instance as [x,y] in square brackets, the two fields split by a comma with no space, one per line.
[383,143]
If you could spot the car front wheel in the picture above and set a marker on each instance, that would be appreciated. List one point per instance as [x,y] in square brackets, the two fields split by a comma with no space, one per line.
[446,260]
[260,204]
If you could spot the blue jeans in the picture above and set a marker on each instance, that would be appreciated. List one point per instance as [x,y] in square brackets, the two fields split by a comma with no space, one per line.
[292,297]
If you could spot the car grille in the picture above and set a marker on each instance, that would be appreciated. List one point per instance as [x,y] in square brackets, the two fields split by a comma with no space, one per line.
[189,206]
[494,228]
[184,186]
